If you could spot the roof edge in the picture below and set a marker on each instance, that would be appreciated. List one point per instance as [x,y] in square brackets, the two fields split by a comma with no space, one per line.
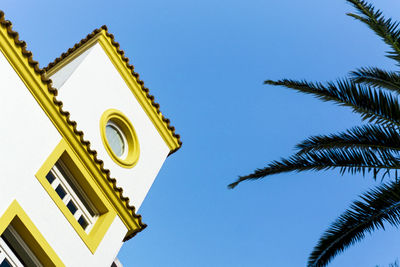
[65,115]
[156,107]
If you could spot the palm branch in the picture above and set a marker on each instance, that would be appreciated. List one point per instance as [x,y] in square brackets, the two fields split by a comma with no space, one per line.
[387,29]
[377,207]
[376,77]
[372,104]
[372,137]
[347,160]
[373,148]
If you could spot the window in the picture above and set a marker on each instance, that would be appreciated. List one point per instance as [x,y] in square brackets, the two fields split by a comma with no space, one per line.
[77,194]
[119,138]
[66,187]
[14,251]
[116,139]
[21,243]
[116,263]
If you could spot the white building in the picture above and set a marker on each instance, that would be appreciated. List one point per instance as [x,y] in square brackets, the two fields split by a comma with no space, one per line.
[81,144]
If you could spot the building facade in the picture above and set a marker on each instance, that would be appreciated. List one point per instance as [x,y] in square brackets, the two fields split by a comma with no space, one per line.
[82,142]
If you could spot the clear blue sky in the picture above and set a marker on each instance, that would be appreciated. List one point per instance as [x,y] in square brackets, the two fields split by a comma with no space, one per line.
[205,62]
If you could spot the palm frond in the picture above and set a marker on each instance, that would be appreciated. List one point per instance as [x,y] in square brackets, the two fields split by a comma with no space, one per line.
[377,207]
[374,105]
[387,29]
[372,137]
[347,160]
[378,78]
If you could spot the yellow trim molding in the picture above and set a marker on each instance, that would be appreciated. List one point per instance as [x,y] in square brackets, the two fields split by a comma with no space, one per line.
[106,43]
[38,85]
[96,197]
[123,123]
[19,220]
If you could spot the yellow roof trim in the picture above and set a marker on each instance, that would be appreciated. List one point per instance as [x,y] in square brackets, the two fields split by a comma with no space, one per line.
[131,78]
[41,88]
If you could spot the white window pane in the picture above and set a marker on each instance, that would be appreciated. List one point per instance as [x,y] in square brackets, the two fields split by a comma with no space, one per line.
[115,140]
[73,196]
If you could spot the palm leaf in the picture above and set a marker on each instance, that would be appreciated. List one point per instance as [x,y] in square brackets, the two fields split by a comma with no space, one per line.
[377,207]
[387,29]
[372,137]
[378,78]
[372,93]
[347,160]
[374,106]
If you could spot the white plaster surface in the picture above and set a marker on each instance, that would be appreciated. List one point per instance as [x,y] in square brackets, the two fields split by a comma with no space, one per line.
[63,74]
[96,86]
[27,139]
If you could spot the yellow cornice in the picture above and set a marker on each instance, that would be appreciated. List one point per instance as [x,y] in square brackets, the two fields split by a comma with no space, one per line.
[40,87]
[120,62]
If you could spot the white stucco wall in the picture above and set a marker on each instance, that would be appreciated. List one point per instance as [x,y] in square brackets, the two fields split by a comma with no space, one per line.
[27,139]
[96,86]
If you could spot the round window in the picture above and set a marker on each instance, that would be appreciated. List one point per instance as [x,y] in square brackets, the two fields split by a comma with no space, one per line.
[119,138]
[116,139]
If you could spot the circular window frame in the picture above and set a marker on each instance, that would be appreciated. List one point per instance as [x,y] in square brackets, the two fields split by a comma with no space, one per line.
[118,119]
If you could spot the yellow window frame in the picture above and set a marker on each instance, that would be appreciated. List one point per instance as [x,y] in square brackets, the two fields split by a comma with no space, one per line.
[19,220]
[107,214]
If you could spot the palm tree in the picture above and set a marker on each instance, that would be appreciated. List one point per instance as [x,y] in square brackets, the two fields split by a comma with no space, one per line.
[394,264]
[372,148]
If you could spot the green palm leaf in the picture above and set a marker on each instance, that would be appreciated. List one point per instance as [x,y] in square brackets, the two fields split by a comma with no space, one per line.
[385,28]
[377,207]
[372,137]
[378,78]
[374,106]
[373,148]
[347,160]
